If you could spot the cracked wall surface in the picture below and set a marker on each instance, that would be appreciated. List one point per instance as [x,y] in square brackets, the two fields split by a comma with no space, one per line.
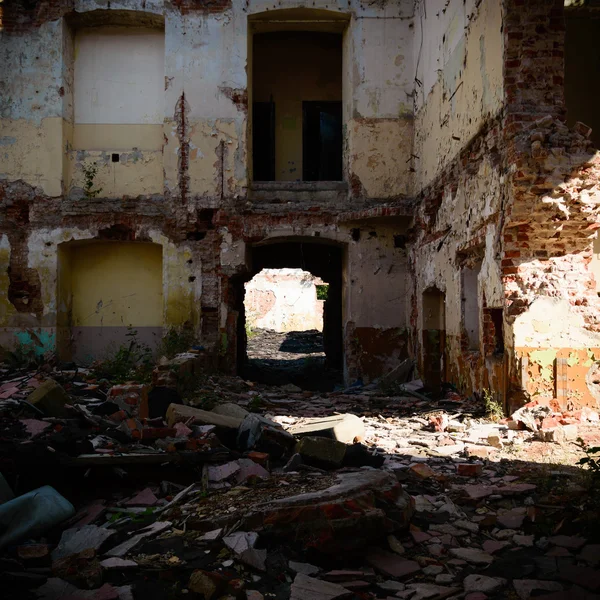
[462,153]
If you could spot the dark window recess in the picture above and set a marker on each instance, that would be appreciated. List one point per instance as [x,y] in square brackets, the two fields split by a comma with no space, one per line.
[498,320]
[399,241]
[115,157]
[322,141]
[263,141]
[196,236]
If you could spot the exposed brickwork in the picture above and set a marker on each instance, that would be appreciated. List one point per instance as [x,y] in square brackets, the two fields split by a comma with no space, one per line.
[555,175]
[18,16]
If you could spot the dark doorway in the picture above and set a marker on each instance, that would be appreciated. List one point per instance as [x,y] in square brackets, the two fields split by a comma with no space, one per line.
[297,106]
[434,340]
[263,140]
[322,141]
[324,261]
[582,66]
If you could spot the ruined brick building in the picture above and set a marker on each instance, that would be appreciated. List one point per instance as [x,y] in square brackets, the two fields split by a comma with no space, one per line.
[432,160]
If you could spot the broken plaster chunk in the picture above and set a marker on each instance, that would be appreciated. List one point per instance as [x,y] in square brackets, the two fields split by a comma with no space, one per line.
[118,563]
[154,529]
[345,428]
[223,472]
[321,452]
[305,587]
[74,541]
[304,568]
[525,587]
[481,583]
[240,541]
[51,398]
[179,412]
[472,555]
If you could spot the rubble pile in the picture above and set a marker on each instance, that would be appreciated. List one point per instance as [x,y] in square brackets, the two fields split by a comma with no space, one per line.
[250,492]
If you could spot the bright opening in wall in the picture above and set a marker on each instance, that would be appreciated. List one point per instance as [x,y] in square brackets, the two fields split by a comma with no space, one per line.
[297,106]
[284,325]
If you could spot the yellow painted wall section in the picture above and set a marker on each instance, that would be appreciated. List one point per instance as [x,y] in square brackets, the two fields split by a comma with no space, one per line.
[116,284]
[294,67]
[182,294]
[33,154]
[117,138]
[135,174]
[469,89]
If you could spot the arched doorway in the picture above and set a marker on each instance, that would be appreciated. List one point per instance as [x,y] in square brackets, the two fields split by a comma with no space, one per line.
[322,260]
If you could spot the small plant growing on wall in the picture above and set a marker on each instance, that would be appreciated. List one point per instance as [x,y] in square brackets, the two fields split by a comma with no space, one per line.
[89,174]
[493,408]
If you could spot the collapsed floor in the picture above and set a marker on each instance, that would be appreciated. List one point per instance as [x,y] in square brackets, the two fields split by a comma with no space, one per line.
[250,491]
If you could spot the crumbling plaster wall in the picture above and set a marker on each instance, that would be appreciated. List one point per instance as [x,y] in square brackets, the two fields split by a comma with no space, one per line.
[459,178]
[159,192]
[205,102]
[458,64]
[32,107]
[374,281]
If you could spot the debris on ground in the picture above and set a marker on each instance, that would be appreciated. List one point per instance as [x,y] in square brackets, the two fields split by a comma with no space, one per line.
[251,491]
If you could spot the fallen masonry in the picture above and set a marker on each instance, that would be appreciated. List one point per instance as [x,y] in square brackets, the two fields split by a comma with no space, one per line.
[353,494]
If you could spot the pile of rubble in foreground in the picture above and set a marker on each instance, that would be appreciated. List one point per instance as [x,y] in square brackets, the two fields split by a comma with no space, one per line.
[125,492]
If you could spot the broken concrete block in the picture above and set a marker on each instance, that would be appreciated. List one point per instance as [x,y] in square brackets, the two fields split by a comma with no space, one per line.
[305,587]
[35,427]
[259,433]
[51,398]
[472,555]
[144,498]
[219,473]
[321,452]
[391,565]
[249,469]
[304,568]
[74,541]
[118,563]
[560,434]
[421,471]
[154,529]
[424,591]
[240,541]
[230,410]
[343,428]
[177,413]
[495,440]
[481,583]
[526,587]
